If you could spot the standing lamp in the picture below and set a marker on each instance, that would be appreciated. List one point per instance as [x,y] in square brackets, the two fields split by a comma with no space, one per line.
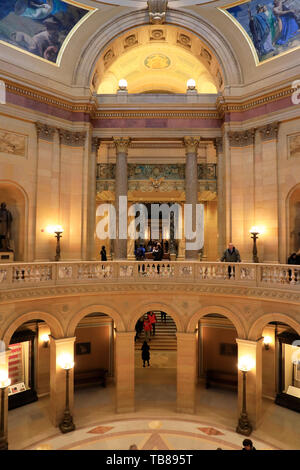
[254,235]
[4,383]
[57,231]
[67,424]
[244,426]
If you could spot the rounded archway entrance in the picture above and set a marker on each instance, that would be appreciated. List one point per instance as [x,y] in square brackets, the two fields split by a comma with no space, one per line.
[94,366]
[155,361]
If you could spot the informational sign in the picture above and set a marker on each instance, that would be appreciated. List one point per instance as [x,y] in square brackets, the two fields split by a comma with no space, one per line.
[16,388]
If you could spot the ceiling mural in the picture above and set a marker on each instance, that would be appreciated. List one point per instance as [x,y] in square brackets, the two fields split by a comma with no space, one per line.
[272,28]
[40,27]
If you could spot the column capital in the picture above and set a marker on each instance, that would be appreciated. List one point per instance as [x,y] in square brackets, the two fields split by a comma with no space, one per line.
[96,143]
[249,343]
[122,144]
[270,131]
[74,139]
[44,131]
[70,339]
[241,138]
[191,144]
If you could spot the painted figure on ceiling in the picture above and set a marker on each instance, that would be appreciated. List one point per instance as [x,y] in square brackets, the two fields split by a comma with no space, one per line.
[288,26]
[260,30]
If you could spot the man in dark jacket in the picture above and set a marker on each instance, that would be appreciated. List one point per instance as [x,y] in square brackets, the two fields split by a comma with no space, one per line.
[231,255]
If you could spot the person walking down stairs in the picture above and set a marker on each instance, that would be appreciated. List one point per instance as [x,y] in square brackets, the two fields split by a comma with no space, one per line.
[147,327]
[145,353]
[152,321]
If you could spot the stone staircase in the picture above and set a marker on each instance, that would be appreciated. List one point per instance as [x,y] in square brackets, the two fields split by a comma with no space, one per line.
[165,335]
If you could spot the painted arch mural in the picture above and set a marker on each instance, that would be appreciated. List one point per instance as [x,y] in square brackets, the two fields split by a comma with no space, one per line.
[272,27]
[40,27]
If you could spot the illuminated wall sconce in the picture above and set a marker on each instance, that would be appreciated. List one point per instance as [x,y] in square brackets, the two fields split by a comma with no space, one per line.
[267,341]
[246,363]
[255,231]
[57,231]
[66,362]
[191,86]
[123,85]
[45,339]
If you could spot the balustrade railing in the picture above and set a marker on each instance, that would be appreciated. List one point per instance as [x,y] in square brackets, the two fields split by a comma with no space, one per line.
[16,275]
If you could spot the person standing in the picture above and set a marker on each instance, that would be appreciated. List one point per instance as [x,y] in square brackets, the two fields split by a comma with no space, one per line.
[103,254]
[145,353]
[147,328]
[152,317]
[231,255]
[163,317]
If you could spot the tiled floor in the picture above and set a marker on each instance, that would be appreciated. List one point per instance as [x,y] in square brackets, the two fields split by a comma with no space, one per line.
[155,402]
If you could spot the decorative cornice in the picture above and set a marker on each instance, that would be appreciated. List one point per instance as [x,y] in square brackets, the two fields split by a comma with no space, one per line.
[251,103]
[48,99]
[73,139]
[272,294]
[191,144]
[270,131]
[44,131]
[241,138]
[156,114]
[122,144]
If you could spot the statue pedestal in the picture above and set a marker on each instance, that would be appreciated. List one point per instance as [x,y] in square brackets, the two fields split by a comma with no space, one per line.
[7,257]
[172,256]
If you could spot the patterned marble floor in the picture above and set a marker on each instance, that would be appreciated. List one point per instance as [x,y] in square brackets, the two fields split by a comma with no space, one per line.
[148,434]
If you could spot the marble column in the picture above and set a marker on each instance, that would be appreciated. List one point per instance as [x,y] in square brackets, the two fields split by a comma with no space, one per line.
[186,372]
[121,189]
[4,369]
[191,184]
[218,141]
[59,347]
[124,371]
[92,193]
[252,349]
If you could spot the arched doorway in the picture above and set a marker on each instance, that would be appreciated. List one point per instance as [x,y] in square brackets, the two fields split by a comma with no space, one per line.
[94,367]
[29,372]
[155,385]
[217,358]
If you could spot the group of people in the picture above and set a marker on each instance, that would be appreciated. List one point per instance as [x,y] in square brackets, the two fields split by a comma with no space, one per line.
[147,323]
[156,248]
[247,445]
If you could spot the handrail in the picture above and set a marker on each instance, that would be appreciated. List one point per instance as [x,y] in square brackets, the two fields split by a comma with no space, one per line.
[16,275]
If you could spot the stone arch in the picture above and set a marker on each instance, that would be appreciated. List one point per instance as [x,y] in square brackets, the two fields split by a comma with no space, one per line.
[17,202]
[241,333]
[257,327]
[221,48]
[147,306]
[92,309]
[55,326]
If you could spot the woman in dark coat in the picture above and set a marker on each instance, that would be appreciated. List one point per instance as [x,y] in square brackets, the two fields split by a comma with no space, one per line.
[145,353]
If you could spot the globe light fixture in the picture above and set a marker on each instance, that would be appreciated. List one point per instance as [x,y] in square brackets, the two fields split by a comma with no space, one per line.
[191,84]
[66,362]
[123,84]
[245,364]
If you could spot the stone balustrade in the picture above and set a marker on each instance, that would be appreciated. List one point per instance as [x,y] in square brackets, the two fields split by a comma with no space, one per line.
[16,275]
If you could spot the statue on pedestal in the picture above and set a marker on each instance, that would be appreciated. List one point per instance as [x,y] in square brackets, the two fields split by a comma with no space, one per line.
[5,227]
